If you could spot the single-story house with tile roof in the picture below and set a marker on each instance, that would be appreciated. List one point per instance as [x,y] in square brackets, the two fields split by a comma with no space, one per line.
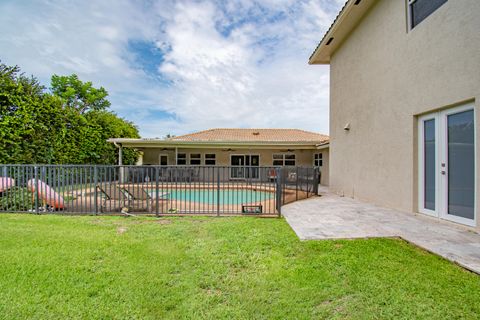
[235,147]
[404,94]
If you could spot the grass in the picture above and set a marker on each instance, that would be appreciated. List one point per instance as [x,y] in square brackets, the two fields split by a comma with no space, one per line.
[57,267]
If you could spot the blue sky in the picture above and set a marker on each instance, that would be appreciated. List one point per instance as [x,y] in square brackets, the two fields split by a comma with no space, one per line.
[181,66]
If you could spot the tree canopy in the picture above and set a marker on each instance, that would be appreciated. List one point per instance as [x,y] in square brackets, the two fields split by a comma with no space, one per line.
[70,124]
[81,96]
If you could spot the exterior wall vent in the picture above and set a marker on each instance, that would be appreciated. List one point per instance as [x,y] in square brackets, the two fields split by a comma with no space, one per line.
[329,41]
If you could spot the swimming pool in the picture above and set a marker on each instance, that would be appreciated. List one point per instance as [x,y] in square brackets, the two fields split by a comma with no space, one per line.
[210,196]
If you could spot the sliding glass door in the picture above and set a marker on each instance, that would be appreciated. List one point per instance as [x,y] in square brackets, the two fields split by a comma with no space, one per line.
[447,164]
[244,166]
[238,167]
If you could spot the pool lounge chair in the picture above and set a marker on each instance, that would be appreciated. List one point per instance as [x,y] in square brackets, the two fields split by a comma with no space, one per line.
[272,175]
[146,199]
[114,198]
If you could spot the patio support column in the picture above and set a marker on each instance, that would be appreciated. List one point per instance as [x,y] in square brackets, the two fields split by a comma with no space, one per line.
[140,159]
[120,155]
[120,163]
[176,155]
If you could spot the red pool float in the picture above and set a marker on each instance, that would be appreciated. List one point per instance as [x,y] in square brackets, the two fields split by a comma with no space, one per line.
[6,183]
[46,194]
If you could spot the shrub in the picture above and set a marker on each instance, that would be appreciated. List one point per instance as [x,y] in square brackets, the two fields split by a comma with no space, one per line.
[16,199]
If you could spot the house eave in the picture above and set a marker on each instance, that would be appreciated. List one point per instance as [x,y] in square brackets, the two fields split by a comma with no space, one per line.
[158,143]
[323,145]
[346,21]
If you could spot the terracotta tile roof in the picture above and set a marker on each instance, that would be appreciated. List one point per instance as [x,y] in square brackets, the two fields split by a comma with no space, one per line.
[254,135]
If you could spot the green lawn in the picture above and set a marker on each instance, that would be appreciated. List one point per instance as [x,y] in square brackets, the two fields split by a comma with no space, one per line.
[58,267]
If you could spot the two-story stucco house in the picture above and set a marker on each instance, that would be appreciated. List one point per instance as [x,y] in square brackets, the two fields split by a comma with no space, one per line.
[405,88]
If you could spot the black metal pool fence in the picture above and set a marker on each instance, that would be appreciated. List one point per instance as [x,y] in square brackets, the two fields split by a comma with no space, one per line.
[156,190]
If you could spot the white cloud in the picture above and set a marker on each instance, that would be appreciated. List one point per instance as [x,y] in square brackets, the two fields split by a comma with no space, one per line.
[226,64]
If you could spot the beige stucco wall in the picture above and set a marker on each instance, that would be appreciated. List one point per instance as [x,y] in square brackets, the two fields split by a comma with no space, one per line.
[303,157]
[382,77]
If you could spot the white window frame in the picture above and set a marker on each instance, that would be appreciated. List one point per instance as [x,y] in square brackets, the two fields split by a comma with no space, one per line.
[319,159]
[214,159]
[190,158]
[284,159]
[409,14]
[186,161]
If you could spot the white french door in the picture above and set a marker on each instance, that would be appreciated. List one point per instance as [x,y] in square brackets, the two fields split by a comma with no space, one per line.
[447,164]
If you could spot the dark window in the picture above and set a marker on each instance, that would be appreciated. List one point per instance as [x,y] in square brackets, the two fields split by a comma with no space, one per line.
[421,9]
[181,159]
[289,159]
[280,159]
[210,159]
[195,159]
[318,160]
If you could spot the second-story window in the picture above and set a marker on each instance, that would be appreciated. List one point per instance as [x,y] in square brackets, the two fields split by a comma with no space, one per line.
[419,10]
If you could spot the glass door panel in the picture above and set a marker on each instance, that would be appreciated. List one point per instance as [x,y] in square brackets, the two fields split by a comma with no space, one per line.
[237,170]
[252,161]
[428,158]
[429,162]
[163,160]
[461,164]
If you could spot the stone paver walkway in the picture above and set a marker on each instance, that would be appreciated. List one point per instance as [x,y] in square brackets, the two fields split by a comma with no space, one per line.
[334,217]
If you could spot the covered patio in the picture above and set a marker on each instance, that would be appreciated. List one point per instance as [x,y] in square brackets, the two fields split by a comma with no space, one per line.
[333,217]
[236,147]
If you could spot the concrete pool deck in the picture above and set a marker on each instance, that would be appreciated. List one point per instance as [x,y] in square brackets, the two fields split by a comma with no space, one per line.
[334,217]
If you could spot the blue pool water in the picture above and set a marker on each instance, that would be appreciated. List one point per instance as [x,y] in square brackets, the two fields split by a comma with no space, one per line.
[227,196]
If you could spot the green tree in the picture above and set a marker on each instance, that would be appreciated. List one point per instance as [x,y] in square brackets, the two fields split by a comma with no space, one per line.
[40,127]
[79,95]
[20,99]
[104,125]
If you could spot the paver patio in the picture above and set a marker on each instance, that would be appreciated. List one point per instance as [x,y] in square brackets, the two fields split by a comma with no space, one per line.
[334,217]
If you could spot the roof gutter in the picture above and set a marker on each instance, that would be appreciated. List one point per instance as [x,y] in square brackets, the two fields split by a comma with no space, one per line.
[220,143]
[142,142]
[323,145]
